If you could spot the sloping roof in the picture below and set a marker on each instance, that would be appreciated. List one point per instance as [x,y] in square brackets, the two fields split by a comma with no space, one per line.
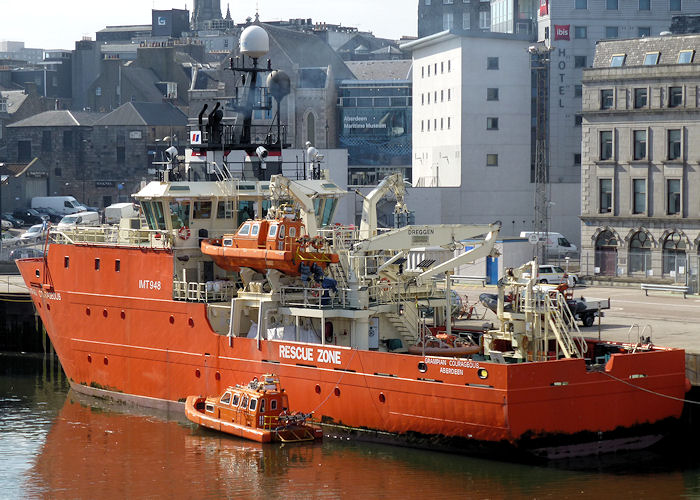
[144,80]
[305,50]
[145,113]
[381,70]
[60,118]
[15,98]
[636,49]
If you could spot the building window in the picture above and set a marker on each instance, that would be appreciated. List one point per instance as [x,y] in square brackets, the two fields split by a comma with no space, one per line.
[617,60]
[674,255]
[448,21]
[643,31]
[675,97]
[442,96]
[491,160]
[580,62]
[442,67]
[605,198]
[492,63]
[640,252]
[448,2]
[427,2]
[577,158]
[58,172]
[422,126]
[121,155]
[67,140]
[673,196]
[24,151]
[639,196]
[606,99]
[640,144]
[485,19]
[46,140]
[640,98]
[449,94]
[449,123]
[442,124]
[492,94]
[580,32]
[449,65]
[578,120]
[578,90]
[644,4]
[674,4]
[674,144]
[685,56]
[611,4]
[651,58]
[422,72]
[581,4]
[491,123]
[606,145]
[611,32]
[466,21]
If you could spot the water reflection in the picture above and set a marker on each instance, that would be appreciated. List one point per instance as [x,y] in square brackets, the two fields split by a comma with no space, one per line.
[58,444]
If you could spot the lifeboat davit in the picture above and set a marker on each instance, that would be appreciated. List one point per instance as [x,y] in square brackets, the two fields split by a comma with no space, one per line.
[263,244]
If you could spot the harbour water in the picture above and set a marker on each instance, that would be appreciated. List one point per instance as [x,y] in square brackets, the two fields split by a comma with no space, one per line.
[58,444]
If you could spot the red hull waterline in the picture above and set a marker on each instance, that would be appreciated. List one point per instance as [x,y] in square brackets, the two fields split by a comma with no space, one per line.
[118,332]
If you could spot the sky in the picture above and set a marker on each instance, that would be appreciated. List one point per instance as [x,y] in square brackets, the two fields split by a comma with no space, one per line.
[56,24]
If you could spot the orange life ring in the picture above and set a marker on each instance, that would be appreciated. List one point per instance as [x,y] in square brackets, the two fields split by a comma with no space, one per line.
[384,283]
[317,242]
[304,241]
[184,233]
[315,290]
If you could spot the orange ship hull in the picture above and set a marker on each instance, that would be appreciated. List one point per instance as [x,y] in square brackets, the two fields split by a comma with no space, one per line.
[120,331]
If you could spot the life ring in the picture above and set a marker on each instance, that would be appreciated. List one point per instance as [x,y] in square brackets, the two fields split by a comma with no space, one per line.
[184,233]
[315,290]
[304,241]
[384,284]
[317,242]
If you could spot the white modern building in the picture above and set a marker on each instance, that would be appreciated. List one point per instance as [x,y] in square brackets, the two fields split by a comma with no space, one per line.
[472,122]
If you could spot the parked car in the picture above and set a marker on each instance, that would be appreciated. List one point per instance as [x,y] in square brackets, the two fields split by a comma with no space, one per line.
[25,253]
[16,223]
[556,275]
[54,215]
[5,224]
[34,234]
[30,216]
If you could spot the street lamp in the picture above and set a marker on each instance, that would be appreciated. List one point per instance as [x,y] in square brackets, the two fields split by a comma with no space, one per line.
[4,179]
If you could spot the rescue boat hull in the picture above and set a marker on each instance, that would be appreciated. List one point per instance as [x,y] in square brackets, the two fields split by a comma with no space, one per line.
[122,334]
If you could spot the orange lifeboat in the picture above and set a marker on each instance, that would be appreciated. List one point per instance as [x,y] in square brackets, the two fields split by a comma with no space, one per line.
[257,411]
[444,345]
[263,244]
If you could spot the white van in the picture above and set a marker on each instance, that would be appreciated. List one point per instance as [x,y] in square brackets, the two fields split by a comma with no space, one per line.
[118,211]
[555,243]
[79,219]
[62,204]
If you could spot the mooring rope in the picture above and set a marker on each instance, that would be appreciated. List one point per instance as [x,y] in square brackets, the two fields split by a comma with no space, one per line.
[354,351]
[650,391]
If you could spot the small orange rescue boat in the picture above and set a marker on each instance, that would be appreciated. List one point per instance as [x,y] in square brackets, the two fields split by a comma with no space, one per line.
[444,345]
[258,411]
[263,244]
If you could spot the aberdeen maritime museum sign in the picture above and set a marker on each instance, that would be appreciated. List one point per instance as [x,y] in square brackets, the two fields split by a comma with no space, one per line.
[361,122]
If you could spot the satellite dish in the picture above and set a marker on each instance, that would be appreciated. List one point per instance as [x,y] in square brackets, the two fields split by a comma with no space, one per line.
[254,42]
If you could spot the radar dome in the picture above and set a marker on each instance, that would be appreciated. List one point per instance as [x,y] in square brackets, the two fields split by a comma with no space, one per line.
[278,84]
[254,42]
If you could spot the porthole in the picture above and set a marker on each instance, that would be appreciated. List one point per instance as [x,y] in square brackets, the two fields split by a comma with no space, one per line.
[89,359]
[197,373]
[172,319]
[123,314]
[382,397]
[336,391]
[482,373]
[87,311]
[105,313]
[190,322]
[48,307]
[106,361]
[37,273]
[422,367]
[318,389]
[217,376]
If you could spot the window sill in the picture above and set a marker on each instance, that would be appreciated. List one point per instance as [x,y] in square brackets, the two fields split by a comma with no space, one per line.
[605,163]
[679,162]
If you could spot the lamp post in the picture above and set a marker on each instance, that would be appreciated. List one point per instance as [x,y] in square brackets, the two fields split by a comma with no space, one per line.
[3,179]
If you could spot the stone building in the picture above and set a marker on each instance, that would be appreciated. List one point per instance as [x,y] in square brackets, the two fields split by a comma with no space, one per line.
[98,158]
[640,202]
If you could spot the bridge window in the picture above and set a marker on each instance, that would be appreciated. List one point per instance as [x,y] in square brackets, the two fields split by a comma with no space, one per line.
[236,399]
[273,231]
[255,230]
[244,402]
[273,404]
[180,214]
[253,404]
[244,230]
[226,398]
[262,406]
[202,210]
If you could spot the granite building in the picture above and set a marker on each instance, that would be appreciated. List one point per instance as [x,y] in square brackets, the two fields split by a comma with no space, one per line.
[640,202]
